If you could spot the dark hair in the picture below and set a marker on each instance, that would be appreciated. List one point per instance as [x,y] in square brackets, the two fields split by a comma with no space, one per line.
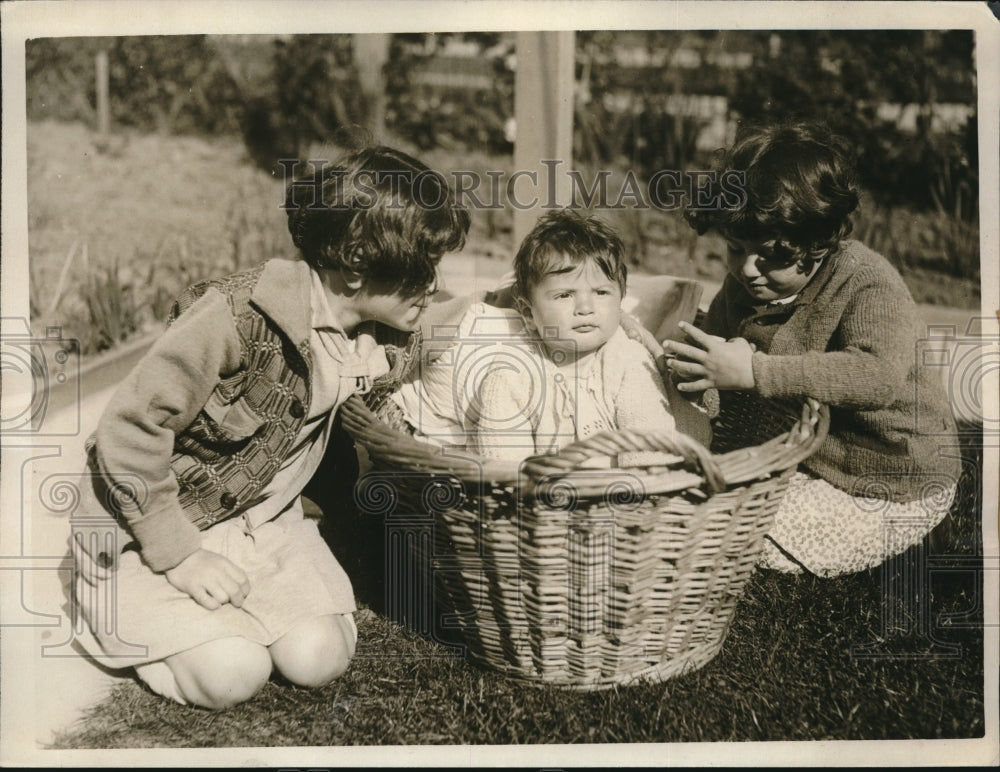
[380,213]
[799,187]
[565,233]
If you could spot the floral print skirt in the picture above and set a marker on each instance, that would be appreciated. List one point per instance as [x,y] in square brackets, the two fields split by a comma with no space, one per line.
[827,531]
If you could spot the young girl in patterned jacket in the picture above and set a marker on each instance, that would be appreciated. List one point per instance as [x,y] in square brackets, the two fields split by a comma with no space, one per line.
[806,313]
[203,451]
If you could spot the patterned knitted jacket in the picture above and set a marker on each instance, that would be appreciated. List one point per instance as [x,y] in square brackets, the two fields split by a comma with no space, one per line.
[850,340]
[205,420]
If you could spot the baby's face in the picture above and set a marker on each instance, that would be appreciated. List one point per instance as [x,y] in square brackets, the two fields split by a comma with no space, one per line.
[575,306]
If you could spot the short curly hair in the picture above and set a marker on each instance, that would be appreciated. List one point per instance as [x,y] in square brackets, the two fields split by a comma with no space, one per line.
[565,233]
[798,186]
[380,213]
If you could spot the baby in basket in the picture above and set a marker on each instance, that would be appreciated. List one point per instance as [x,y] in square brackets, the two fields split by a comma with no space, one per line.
[558,368]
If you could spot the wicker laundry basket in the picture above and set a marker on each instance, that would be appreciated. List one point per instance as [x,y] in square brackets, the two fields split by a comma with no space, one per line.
[588,578]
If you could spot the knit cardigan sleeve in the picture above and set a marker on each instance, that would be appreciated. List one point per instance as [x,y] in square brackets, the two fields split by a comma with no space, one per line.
[503,430]
[157,400]
[867,357]
[641,399]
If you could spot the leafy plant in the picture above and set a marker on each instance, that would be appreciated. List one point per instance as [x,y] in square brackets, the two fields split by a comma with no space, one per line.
[876,227]
[958,242]
[956,220]
[843,81]
[251,240]
[448,116]
[175,83]
[112,314]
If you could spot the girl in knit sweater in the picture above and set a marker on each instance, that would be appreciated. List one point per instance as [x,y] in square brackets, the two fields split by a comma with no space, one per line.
[806,313]
[582,373]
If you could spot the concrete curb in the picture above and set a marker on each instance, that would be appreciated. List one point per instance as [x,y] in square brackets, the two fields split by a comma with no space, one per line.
[98,372]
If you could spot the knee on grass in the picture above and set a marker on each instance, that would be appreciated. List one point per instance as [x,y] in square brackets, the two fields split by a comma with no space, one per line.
[222,673]
[315,652]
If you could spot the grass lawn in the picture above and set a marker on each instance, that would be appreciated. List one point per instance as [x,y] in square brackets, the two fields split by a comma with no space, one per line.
[789,670]
[785,673]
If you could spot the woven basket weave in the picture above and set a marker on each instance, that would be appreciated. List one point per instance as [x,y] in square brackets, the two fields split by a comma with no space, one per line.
[588,578]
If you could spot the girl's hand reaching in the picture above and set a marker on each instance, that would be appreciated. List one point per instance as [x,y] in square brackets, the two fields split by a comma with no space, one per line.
[210,579]
[714,363]
[634,329]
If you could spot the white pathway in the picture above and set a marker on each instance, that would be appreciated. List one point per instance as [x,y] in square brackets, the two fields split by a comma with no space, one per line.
[53,680]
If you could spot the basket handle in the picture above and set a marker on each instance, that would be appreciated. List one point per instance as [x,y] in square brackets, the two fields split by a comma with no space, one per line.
[626,441]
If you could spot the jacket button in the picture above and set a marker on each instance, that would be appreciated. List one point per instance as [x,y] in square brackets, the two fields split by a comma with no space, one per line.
[104,559]
[296,409]
[228,500]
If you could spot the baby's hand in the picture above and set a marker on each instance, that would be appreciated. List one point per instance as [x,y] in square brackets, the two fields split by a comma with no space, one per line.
[210,579]
[713,363]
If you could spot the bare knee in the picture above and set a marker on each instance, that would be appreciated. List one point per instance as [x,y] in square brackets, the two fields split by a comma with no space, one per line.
[222,673]
[316,651]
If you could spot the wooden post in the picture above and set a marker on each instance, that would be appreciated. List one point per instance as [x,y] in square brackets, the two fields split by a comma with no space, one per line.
[371,51]
[103,110]
[543,111]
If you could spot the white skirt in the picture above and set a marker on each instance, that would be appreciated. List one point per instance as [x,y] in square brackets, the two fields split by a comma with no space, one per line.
[135,615]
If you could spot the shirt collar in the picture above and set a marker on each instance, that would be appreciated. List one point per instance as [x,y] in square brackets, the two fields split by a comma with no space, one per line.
[282,293]
[322,316]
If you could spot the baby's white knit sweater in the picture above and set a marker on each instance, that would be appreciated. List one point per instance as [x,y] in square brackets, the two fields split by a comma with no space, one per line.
[487,385]
[523,411]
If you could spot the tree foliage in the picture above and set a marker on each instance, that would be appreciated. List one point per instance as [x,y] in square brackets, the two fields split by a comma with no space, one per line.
[843,79]
[173,84]
[451,117]
[306,90]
